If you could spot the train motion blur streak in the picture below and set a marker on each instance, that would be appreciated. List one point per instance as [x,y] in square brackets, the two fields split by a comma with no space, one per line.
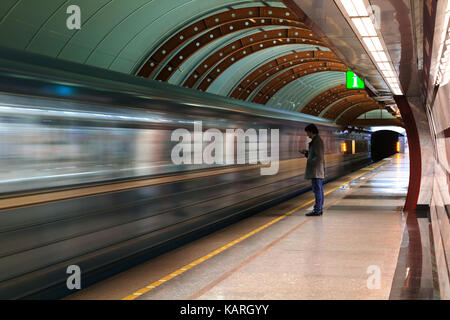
[146,204]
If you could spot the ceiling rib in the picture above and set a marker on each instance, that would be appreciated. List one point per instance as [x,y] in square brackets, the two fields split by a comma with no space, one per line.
[340,107]
[217,25]
[292,74]
[216,63]
[352,114]
[271,68]
[322,101]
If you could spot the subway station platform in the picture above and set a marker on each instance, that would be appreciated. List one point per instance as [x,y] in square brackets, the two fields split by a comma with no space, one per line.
[351,252]
[153,150]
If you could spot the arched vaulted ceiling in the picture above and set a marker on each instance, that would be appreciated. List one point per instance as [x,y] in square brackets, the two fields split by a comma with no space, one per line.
[303,62]
[258,51]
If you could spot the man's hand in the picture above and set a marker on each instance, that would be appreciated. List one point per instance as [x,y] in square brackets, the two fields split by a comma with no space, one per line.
[304,151]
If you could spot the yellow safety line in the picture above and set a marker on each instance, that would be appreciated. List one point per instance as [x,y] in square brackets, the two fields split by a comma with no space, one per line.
[183,269]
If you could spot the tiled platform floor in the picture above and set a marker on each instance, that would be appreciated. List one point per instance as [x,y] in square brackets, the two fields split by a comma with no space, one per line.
[350,252]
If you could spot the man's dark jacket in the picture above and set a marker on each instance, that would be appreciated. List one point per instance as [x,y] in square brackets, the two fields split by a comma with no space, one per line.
[315,165]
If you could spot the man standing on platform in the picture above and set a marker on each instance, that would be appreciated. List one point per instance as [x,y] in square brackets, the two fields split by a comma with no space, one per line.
[315,167]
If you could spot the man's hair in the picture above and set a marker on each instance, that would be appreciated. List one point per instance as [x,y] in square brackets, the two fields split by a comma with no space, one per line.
[312,128]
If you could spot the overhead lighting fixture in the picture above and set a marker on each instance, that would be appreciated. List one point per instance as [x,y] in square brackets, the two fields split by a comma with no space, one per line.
[365,27]
[379,56]
[392,80]
[355,8]
[443,63]
[382,55]
[359,14]
[370,27]
[350,8]
[369,44]
[361,7]
[373,43]
[377,43]
[384,66]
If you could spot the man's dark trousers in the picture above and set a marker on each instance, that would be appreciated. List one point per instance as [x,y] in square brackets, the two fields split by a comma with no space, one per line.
[317,187]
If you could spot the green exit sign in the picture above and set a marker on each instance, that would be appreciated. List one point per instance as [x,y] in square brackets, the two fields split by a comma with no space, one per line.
[353,82]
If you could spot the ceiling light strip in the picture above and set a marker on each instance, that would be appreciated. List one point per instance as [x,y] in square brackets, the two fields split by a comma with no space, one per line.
[443,63]
[358,14]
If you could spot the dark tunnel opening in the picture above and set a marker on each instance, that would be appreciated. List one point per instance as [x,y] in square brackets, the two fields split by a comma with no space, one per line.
[384,143]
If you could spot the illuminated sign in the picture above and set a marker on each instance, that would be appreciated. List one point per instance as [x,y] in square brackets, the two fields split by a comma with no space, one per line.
[353,81]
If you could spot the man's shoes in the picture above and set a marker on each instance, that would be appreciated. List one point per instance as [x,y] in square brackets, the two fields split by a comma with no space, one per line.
[314,214]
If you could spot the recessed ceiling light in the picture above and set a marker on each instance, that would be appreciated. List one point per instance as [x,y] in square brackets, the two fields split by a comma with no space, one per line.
[350,8]
[369,26]
[377,43]
[369,44]
[360,7]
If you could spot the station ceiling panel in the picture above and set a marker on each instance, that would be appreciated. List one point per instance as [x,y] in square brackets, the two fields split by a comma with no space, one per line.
[258,51]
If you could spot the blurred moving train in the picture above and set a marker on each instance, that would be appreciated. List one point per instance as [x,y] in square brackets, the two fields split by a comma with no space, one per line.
[86,176]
